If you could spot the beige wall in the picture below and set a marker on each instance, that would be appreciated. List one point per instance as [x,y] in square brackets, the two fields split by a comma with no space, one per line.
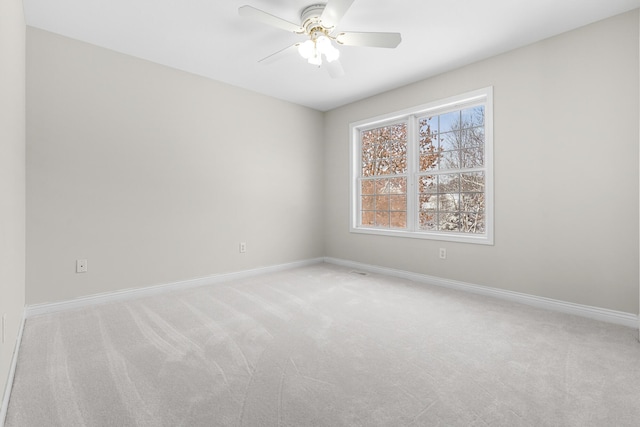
[566,171]
[12,176]
[155,175]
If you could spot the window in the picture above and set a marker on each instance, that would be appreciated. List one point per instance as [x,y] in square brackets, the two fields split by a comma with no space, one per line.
[426,172]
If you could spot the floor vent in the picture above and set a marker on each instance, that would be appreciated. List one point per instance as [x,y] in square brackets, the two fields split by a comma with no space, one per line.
[361,273]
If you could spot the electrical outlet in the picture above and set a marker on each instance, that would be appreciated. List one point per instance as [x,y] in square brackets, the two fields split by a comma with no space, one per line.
[443,253]
[243,247]
[81,266]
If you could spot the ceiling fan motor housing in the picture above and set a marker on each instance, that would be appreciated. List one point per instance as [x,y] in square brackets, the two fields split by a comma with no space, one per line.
[310,18]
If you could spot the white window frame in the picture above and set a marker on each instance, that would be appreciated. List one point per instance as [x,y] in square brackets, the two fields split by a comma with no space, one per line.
[478,97]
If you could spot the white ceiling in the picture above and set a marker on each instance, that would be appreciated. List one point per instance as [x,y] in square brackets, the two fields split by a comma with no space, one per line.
[208,38]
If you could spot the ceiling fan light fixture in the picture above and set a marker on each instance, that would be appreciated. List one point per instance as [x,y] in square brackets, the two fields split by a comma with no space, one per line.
[326,48]
[332,54]
[313,49]
[323,43]
[307,49]
[315,60]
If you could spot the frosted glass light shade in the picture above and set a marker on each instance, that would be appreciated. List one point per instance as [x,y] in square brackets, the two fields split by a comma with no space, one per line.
[307,49]
[312,50]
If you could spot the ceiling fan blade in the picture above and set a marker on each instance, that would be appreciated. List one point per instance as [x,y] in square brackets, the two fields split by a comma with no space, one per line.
[266,18]
[279,54]
[335,69]
[334,11]
[389,40]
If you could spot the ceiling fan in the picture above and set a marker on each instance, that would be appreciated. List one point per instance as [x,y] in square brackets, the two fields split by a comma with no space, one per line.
[318,23]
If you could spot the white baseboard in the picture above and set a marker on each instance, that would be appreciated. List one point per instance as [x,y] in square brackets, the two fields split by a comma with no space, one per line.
[602,314]
[12,373]
[47,308]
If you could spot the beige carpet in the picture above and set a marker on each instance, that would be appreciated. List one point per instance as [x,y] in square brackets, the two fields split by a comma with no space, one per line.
[322,346]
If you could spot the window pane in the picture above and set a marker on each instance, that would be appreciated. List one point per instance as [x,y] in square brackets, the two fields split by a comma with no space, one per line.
[398,194]
[472,222]
[384,150]
[450,160]
[398,220]
[449,202]
[368,218]
[472,181]
[387,205]
[449,141]
[428,143]
[396,148]
[368,203]
[382,219]
[398,185]
[428,221]
[383,167]
[429,161]
[368,168]
[398,203]
[449,183]
[473,116]
[449,121]
[472,137]
[382,186]
[367,187]
[472,157]
[381,150]
[428,202]
[428,146]
[428,126]
[368,144]
[368,157]
[427,184]
[472,202]
[398,165]
[448,221]
[382,203]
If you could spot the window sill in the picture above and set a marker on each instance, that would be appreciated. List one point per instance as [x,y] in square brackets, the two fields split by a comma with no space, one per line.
[481,239]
